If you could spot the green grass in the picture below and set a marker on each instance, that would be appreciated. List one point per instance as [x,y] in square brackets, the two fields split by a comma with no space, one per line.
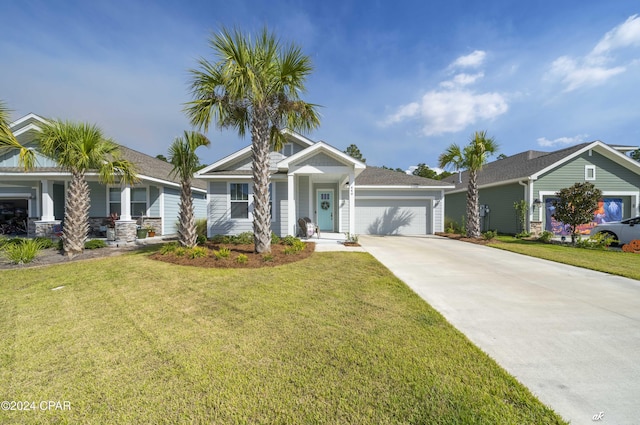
[609,261]
[335,338]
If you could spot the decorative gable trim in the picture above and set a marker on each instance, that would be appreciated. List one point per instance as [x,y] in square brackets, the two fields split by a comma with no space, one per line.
[601,148]
[321,147]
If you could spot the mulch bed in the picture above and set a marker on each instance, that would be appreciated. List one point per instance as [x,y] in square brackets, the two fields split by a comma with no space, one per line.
[50,256]
[478,241]
[254,260]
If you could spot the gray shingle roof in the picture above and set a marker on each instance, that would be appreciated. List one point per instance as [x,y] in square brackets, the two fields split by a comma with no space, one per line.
[514,167]
[376,176]
[146,165]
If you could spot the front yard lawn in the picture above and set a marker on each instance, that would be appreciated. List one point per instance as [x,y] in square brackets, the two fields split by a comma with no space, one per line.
[610,261]
[334,338]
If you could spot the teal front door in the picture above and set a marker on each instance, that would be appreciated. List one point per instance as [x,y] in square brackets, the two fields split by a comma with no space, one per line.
[325,210]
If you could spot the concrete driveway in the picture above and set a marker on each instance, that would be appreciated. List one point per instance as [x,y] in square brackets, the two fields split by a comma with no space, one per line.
[571,335]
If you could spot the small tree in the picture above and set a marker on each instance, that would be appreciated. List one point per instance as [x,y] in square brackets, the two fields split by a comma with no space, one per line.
[353,151]
[423,170]
[575,206]
[521,208]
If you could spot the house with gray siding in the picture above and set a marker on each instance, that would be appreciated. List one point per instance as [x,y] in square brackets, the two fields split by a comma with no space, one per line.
[37,197]
[535,177]
[335,191]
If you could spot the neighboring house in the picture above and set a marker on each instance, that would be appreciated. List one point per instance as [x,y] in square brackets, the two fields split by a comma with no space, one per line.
[316,180]
[38,196]
[535,177]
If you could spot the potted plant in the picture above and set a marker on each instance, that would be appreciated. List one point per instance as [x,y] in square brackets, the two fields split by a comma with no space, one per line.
[141,232]
[111,226]
[150,230]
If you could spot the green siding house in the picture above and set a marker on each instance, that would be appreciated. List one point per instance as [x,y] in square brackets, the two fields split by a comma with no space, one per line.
[535,177]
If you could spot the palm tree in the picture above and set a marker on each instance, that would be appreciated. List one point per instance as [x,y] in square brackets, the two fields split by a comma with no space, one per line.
[182,155]
[473,158]
[79,148]
[254,86]
[8,141]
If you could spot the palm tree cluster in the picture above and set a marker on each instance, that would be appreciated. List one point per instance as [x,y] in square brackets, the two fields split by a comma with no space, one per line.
[254,86]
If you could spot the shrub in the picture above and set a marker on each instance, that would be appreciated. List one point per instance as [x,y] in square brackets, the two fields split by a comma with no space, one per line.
[523,235]
[289,240]
[221,239]
[295,247]
[222,253]
[451,226]
[598,241]
[245,238]
[5,242]
[490,234]
[351,237]
[545,236]
[180,251]
[169,247]
[267,258]
[23,252]
[275,239]
[201,239]
[95,244]
[242,259]
[45,243]
[198,252]
[201,227]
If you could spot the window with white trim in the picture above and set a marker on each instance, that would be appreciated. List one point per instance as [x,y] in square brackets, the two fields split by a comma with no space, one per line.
[589,172]
[239,196]
[138,201]
[115,204]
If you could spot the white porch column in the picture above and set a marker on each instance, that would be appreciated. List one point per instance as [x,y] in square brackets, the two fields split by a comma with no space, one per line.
[291,205]
[125,203]
[352,203]
[47,201]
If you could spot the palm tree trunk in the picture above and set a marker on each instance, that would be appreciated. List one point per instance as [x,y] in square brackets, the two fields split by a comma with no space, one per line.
[261,213]
[76,215]
[187,225]
[473,213]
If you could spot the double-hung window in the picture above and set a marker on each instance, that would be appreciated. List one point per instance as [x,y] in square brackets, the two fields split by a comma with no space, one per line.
[589,172]
[115,205]
[138,201]
[239,200]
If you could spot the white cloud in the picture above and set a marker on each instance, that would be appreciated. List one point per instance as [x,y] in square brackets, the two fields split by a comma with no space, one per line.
[461,80]
[407,111]
[472,60]
[624,35]
[450,111]
[562,141]
[593,69]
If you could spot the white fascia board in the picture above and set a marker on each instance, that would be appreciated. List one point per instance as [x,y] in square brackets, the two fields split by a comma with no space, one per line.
[35,174]
[299,137]
[404,187]
[500,183]
[226,177]
[25,129]
[27,117]
[321,146]
[168,183]
[227,159]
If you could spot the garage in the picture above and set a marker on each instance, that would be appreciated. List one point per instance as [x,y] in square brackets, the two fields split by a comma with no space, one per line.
[393,216]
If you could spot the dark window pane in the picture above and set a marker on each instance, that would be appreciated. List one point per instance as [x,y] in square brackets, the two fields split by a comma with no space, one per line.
[239,210]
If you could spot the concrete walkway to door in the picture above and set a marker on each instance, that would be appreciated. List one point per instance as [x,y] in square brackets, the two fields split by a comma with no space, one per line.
[571,335]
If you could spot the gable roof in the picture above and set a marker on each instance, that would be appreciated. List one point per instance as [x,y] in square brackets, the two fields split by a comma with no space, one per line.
[531,164]
[322,147]
[379,177]
[149,168]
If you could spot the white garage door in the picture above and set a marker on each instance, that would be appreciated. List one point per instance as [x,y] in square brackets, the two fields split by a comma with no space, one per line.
[393,217]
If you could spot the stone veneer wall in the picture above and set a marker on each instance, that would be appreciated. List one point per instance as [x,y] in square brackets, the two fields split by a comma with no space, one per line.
[44,229]
[536,228]
[126,231]
[155,222]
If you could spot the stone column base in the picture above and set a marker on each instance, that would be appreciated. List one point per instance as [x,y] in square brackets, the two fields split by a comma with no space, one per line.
[126,230]
[45,229]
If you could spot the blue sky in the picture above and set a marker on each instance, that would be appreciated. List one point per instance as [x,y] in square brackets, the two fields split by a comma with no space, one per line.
[402,80]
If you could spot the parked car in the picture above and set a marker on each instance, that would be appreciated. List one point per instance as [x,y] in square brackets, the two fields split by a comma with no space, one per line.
[623,231]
